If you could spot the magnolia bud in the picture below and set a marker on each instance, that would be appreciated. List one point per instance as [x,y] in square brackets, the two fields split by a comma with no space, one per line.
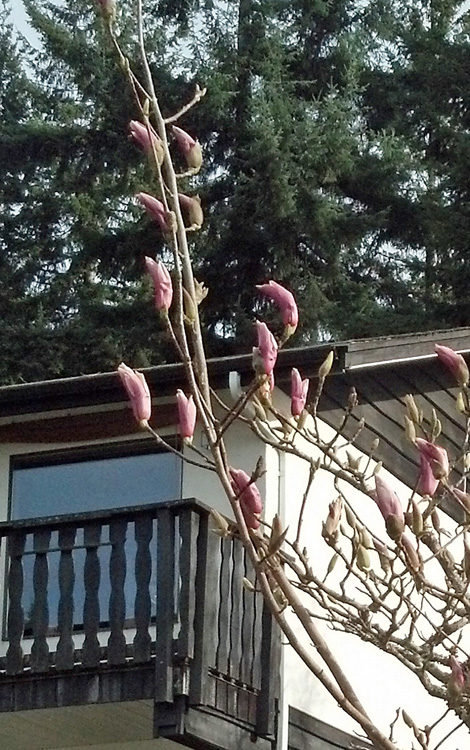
[363,559]
[395,526]
[410,430]
[417,519]
[326,366]
[193,210]
[413,411]
[331,565]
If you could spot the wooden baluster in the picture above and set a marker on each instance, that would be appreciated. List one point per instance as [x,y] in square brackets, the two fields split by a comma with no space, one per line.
[65,611]
[270,658]
[248,619]
[143,572]
[202,685]
[165,606]
[188,533]
[91,608]
[257,636]
[40,619]
[236,613]
[15,619]
[117,601]
[223,647]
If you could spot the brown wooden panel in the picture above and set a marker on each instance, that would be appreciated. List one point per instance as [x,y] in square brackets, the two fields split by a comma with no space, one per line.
[76,427]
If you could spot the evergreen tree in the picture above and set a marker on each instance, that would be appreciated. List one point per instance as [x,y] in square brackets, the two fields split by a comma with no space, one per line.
[310,177]
[420,90]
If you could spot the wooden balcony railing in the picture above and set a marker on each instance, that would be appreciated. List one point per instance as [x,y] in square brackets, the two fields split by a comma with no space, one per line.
[138,585]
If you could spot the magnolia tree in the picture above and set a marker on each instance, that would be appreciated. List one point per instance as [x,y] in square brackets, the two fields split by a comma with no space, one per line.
[401,586]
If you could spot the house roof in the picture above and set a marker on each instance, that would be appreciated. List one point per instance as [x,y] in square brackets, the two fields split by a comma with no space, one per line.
[353,355]
[382,370]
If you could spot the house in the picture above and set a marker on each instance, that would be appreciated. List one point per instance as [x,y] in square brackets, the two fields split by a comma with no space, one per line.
[127,625]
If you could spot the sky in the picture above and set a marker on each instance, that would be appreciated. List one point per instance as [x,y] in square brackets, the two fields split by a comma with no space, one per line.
[19,20]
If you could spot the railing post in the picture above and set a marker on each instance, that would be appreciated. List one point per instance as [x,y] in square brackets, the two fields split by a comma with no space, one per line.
[186,604]
[206,613]
[15,618]
[65,612]
[144,530]
[266,708]
[165,606]
[40,618]
[117,599]
[91,607]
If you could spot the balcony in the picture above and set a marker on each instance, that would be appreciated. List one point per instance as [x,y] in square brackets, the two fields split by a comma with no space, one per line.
[142,606]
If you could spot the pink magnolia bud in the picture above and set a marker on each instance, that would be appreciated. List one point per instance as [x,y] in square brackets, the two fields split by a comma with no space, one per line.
[265,354]
[248,496]
[157,211]
[187,415]
[162,286]
[390,507]
[427,482]
[138,392]
[454,362]
[148,143]
[190,148]
[192,207]
[456,681]
[284,300]
[436,457]
[299,391]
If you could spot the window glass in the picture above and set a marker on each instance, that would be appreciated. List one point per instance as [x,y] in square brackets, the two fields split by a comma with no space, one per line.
[97,484]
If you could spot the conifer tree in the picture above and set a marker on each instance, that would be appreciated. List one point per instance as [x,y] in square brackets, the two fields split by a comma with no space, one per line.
[310,176]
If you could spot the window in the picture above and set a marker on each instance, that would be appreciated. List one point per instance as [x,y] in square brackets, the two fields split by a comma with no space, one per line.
[116,477]
[63,483]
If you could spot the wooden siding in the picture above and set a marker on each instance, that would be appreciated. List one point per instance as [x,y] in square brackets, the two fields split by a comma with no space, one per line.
[381,392]
[307,733]
[75,428]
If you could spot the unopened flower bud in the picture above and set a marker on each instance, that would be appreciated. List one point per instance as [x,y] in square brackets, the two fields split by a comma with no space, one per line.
[410,429]
[326,366]
[411,554]
[363,559]
[189,147]
[417,519]
[413,412]
[192,207]
[454,362]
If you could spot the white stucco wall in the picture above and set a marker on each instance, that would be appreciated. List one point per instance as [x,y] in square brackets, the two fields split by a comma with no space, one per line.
[382,683]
